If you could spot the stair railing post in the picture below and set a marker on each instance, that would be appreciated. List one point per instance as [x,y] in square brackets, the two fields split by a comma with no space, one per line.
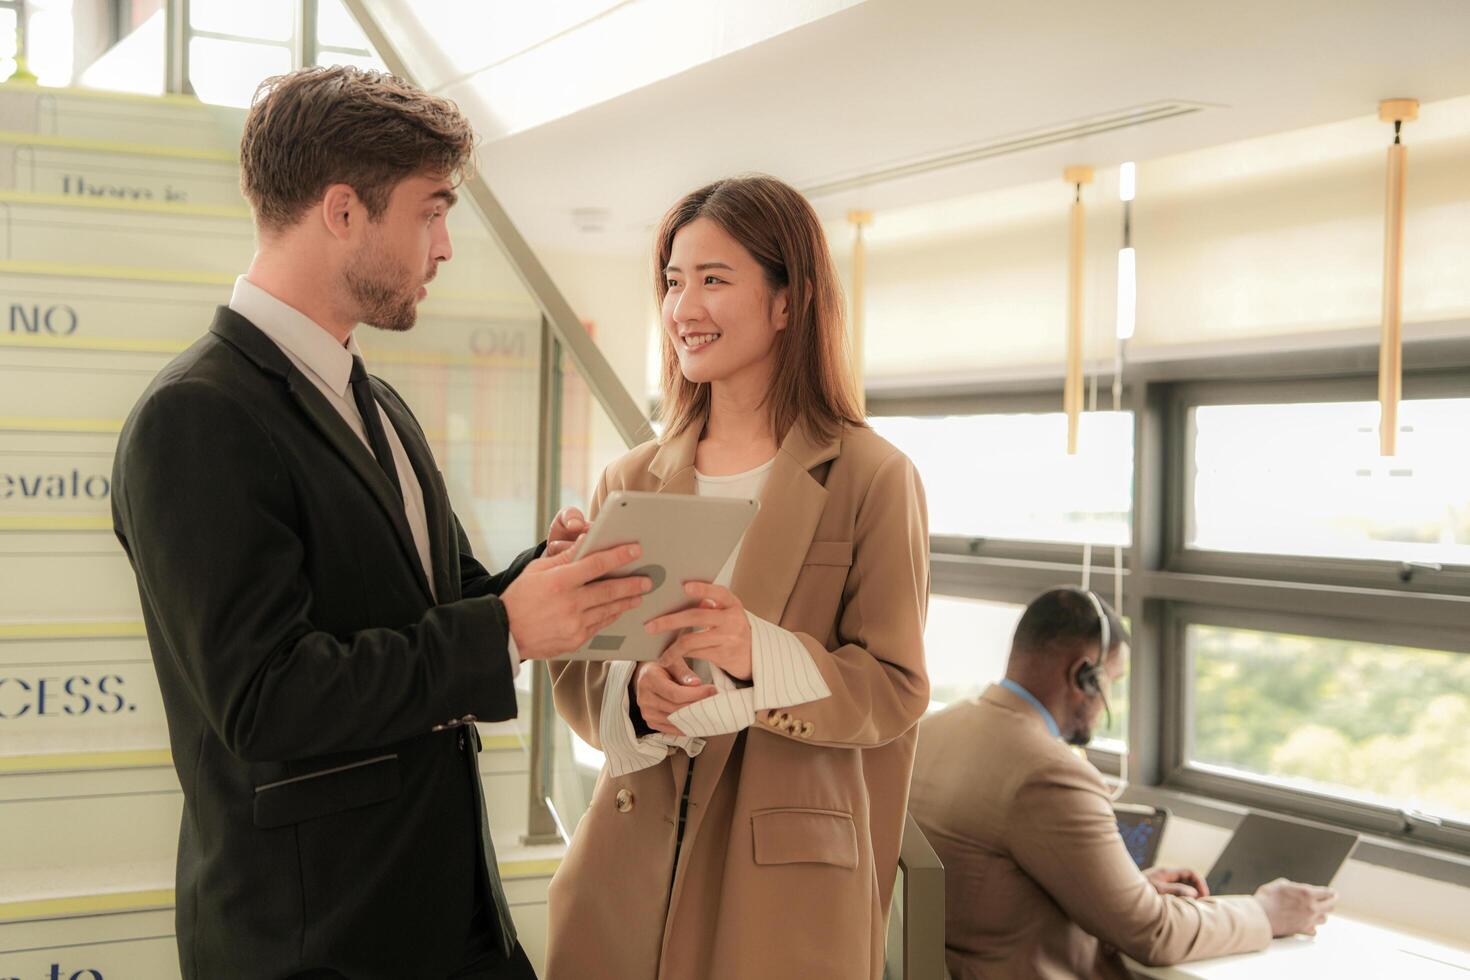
[176,47]
[542,825]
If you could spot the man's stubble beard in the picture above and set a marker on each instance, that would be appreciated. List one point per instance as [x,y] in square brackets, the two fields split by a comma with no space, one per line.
[383,290]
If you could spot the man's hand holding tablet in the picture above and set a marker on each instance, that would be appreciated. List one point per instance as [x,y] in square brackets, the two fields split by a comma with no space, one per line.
[556,605]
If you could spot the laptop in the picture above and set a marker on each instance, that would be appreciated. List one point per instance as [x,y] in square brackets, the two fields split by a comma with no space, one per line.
[1266,848]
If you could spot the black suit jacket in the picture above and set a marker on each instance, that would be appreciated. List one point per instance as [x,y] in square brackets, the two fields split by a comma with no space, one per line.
[303,665]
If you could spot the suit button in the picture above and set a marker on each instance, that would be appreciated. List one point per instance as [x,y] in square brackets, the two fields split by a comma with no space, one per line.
[773,719]
[625,800]
[807,728]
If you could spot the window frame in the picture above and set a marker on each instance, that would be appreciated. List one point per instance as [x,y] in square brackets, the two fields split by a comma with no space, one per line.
[1031,400]
[1165,585]
[1355,572]
[1261,791]
[304,46]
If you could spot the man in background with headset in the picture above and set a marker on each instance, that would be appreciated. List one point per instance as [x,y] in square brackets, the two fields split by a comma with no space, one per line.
[1038,882]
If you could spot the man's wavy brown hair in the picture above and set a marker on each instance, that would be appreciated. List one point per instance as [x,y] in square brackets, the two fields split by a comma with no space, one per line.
[316,127]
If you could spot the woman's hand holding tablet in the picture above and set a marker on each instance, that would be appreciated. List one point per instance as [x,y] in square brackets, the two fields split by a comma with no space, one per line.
[723,636]
[685,539]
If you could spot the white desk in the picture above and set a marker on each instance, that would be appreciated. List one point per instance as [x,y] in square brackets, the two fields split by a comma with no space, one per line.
[1343,948]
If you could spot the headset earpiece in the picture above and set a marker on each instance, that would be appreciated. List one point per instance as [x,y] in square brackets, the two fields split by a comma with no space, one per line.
[1088,674]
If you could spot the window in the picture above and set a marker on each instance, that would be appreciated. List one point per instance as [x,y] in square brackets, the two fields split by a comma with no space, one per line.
[268,20]
[339,40]
[1008,475]
[1306,479]
[226,72]
[233,46]
[966,644]
[1380,724]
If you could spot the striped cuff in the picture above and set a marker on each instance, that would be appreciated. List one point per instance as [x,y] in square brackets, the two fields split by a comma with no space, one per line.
[782,671]
[625,751]
[782,674]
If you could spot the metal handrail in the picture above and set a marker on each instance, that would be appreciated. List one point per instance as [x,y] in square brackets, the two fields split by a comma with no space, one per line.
[543,826]
[176,47]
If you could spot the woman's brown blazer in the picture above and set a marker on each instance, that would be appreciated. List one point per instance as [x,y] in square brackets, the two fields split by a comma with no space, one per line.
[794,825]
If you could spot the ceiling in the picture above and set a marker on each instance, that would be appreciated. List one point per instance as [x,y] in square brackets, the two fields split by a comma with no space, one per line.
[885,82]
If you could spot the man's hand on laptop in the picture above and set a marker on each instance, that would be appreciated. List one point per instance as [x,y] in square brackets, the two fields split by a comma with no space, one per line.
[1183,882]
[1294,908]
[556,604]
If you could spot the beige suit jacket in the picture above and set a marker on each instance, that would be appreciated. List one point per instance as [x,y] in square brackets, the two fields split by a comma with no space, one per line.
[1034,867]
[794,825]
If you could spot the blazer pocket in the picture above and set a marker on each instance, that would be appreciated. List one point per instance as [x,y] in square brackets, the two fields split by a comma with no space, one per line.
[829,553]
[320,794]
[804,836]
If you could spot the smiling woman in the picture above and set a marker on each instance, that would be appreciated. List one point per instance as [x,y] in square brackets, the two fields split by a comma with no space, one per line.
[721,258]
[767,752]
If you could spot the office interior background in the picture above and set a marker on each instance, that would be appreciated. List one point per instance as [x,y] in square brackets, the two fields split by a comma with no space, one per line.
[1300,602]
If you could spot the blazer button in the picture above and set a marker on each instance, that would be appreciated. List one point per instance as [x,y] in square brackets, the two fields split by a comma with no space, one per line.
[807,728]
[773,718]
[625,800]
[793,727]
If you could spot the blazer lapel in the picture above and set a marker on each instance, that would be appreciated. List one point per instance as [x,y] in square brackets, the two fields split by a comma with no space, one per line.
[360,458]
[443,548]
[771,555]
[246,337]
[673,464]
[776,544]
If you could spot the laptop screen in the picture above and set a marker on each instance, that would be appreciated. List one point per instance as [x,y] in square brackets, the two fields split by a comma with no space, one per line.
[1265,848]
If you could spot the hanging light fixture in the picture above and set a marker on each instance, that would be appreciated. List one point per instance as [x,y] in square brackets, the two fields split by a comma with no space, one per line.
[1072,391]
[1127,261]
[1390,351]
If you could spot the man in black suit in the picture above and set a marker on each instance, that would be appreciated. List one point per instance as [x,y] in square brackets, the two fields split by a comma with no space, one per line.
[323,635]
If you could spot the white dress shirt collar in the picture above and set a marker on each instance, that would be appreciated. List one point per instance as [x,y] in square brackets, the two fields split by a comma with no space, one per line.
[297,333]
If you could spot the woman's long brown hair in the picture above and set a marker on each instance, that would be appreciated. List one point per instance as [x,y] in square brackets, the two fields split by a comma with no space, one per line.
[812,382]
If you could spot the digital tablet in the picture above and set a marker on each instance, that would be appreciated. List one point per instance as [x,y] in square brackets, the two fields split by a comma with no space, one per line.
[1142,829]
[685,539]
